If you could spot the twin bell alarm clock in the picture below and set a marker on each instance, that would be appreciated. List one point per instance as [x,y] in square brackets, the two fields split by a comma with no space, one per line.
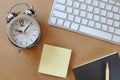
[23,30]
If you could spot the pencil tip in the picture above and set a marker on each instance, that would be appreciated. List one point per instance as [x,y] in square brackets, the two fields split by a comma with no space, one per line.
[107,64]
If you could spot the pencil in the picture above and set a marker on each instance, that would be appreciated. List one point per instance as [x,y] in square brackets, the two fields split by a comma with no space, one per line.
[107,71]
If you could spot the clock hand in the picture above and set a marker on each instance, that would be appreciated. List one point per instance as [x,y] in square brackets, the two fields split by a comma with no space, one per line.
[17,30]
[26,28]
[17,34]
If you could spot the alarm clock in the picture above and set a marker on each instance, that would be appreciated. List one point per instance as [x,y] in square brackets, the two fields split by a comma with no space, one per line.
[23,30]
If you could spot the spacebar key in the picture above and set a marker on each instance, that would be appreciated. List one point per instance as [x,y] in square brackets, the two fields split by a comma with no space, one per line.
[95,32]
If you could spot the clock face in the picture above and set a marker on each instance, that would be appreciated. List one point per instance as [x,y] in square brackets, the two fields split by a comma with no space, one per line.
[23,31]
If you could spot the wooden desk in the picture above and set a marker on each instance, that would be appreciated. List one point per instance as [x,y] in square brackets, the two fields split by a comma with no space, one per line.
[24,66]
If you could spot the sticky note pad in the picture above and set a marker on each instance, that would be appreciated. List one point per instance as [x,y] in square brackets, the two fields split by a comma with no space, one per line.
[54,61]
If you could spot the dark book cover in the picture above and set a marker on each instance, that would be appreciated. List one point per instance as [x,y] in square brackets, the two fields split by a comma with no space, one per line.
[95,70]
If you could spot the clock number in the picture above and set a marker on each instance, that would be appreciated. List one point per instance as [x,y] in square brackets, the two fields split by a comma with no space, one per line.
[26,43]
[30,24]
[15,40]
[31,40]
[21,21]
[34,29]
[21,43]
[34,35]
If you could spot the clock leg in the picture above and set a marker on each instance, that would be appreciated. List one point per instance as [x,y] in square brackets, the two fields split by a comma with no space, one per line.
[19,50]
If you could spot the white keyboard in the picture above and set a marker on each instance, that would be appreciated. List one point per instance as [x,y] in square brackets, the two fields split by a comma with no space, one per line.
[96,18]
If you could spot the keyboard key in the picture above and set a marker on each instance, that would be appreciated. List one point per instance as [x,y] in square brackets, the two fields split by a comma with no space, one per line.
[90,8]
[116,16]
[69,9]
[103,19]
[116,38]
[52,20]
[116,24]
[95,32]
[117,31]
[84,21]
[75,11]
[108,6]
[111,29]
[89,15]
[109,21]
[69,2]
[77,19]
[95,2]
[91,23]
[97,25]
[102,5]
[70,17]
[118,4]
[74,26]
[61,1]
[59,22]
[96,18]
[83,6]
[110,14]
[82,13]
[104,27]
[115,9]
[66,24]
[88,1]
[105,0]
[59,7]
[59,14]
[81,0]
[103,13]
[96,10]
[112,1]
[76,4]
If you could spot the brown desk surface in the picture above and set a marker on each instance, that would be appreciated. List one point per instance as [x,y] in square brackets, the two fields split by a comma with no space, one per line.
[24,66]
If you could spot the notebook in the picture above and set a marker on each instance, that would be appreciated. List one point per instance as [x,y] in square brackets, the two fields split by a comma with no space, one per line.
[95,70]
[54,60]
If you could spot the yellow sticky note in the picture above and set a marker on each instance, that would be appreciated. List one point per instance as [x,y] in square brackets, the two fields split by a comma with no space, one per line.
[54,61]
